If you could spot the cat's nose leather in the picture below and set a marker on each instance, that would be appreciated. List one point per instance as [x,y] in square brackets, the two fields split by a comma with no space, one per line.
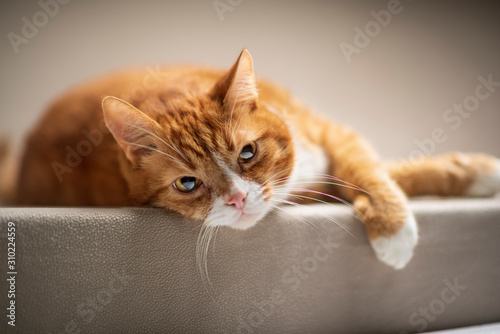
[237,199]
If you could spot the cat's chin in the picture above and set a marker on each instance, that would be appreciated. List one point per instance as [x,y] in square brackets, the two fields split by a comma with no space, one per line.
[245,221]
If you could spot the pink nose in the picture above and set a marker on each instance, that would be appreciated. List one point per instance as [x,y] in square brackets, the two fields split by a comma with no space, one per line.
[237,199]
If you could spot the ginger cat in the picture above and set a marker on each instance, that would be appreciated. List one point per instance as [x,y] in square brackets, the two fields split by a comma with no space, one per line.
[225,148]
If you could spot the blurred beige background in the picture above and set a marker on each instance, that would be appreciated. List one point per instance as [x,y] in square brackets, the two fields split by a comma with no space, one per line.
[396,90]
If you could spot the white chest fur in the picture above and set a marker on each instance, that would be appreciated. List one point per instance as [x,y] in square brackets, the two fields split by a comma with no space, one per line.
[310,163]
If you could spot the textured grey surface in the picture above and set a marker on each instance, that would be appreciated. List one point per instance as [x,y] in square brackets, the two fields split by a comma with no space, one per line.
[132,270]
[480,329]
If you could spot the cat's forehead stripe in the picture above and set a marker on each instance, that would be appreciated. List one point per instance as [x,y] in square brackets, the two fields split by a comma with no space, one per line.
[223,165]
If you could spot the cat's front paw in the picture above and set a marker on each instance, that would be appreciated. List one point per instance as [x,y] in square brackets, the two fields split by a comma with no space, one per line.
[486,183]
[397,250]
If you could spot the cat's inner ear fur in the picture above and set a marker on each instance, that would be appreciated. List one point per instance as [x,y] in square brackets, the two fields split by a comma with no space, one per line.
[238,86]
[132,129]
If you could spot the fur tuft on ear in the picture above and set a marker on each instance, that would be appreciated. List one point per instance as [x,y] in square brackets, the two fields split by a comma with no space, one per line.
[238,86]
[129,126]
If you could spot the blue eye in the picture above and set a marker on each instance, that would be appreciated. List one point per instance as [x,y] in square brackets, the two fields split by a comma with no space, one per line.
[248,152]
[187,184]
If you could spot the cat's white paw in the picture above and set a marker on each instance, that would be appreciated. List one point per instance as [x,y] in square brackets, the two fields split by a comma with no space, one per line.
[397,251]
[486,185]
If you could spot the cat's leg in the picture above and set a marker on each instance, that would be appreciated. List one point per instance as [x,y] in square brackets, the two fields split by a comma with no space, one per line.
[381,204]
[451,174]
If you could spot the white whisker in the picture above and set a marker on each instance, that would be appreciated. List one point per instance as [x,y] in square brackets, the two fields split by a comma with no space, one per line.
[327,203]
[202,246]
[269,179]
[310,179]
[340,180]
[163,141]
[156,150]
[324,216]
[302,219]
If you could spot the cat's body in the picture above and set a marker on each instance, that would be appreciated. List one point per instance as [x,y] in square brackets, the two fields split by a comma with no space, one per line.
[222,147]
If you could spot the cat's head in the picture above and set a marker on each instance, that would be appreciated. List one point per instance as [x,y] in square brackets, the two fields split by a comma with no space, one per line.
[214,155]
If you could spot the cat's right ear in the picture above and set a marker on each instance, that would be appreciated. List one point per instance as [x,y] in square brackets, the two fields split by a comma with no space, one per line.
[238,86]
[129,126]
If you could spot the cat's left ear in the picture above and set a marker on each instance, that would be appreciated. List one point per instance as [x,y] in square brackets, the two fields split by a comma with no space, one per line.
[130,127]
[238,86]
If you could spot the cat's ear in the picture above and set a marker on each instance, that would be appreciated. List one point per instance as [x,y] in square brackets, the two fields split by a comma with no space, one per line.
[238,86]
[129,126]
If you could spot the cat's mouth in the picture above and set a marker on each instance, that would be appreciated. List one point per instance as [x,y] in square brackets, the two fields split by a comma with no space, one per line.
[247,219]
[240,218]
